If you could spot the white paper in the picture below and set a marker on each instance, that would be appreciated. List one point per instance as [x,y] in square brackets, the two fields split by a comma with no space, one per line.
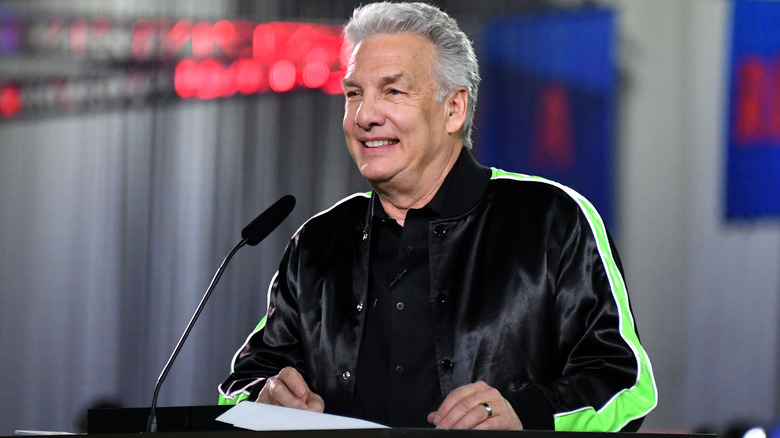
[259,416]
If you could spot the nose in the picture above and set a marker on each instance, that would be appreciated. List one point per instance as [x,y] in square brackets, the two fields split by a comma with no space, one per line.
[368,114]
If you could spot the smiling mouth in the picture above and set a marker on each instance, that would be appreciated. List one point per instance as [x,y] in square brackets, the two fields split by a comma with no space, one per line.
[378,143]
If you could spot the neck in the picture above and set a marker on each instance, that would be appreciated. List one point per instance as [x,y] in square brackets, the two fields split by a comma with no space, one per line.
[397,201]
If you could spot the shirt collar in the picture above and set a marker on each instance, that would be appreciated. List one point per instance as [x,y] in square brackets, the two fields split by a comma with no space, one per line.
[460,190]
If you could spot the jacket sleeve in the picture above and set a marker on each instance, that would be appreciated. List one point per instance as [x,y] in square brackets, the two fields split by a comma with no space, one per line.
[275,342]
[606,381]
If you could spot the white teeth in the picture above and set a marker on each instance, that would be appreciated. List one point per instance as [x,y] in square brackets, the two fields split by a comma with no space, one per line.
[377,143]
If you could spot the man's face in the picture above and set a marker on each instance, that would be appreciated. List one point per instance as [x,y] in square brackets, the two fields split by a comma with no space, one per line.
[396,131]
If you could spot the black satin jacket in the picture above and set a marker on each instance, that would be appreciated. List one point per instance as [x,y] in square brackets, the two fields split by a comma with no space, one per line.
[529,298]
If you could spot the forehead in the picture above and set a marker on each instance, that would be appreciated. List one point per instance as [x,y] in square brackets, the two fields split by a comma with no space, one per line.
[399,55]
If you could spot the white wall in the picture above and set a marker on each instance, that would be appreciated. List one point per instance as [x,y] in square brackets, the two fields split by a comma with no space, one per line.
[706,293]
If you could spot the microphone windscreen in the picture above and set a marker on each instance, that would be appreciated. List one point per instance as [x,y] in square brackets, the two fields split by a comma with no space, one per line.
[272,217]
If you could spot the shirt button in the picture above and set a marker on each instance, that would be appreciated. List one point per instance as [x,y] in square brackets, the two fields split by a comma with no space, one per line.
[360,307]
[439,230]
[399,305]
[409,249]
[399,369]
[442,297]
[346,375]
[446,364]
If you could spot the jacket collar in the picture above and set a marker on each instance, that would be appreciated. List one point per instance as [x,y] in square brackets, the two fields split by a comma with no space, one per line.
[459,192]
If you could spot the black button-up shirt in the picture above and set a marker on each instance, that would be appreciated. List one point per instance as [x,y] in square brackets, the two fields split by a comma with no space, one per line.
[397,381]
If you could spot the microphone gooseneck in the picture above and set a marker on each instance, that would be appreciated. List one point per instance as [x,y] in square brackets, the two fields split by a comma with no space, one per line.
[252,234]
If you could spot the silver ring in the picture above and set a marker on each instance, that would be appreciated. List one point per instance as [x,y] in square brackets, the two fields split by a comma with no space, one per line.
[488,409]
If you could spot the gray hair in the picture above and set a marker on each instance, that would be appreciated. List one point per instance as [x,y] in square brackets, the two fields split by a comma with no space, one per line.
[456,63]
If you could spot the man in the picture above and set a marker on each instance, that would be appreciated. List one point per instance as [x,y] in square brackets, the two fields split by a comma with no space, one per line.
[452,295]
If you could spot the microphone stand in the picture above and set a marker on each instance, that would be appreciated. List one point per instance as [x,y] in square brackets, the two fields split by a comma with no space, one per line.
[151,425]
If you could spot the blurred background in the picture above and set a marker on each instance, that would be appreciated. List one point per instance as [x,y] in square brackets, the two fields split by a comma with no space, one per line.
[138,137]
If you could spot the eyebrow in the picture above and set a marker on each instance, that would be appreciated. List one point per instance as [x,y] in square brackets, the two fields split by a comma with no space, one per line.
[385,80]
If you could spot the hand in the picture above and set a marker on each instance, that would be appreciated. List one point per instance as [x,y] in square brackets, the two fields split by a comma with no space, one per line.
[288,389]
[464,409]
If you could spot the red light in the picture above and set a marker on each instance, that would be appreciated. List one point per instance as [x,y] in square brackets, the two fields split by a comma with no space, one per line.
[213,81]
[266,40]
[10,101]
[281,78]
[300,42]
[283,56]
[315,74]
[79,34]
[320,52]
[553,141]
[176,38]
[101,26]
[225,35]
[201,40]
[249,76]
[749,92]
[185,78]
[141,38]
[209,79]
[333,86]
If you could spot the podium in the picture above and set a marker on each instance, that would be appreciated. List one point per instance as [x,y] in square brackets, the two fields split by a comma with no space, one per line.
[199,422]
[169,419]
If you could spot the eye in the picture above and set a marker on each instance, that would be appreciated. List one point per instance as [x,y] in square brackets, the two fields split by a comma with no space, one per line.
[349,94]
[394,92]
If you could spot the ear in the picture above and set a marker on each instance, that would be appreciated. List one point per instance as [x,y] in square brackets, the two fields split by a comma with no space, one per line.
[456,105]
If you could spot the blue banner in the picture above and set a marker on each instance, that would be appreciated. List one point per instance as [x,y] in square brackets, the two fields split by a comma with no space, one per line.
[547,100]
[753,155]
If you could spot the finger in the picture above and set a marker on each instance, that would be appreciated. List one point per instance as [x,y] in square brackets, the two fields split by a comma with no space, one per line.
[476,414]
[506,419]
[315,403]
[288,388]
[459,411]
[453,402]
[276,392]
[295,382]
[493,423]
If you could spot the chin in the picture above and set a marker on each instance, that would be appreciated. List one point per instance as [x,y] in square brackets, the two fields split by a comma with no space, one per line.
[374,178]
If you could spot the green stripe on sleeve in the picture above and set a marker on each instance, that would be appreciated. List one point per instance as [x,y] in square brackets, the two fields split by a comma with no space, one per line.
[232,401]
[630,403]
[223,400]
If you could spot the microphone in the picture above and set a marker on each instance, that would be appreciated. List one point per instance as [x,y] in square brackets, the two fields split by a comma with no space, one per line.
[251,235]
[258,229]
